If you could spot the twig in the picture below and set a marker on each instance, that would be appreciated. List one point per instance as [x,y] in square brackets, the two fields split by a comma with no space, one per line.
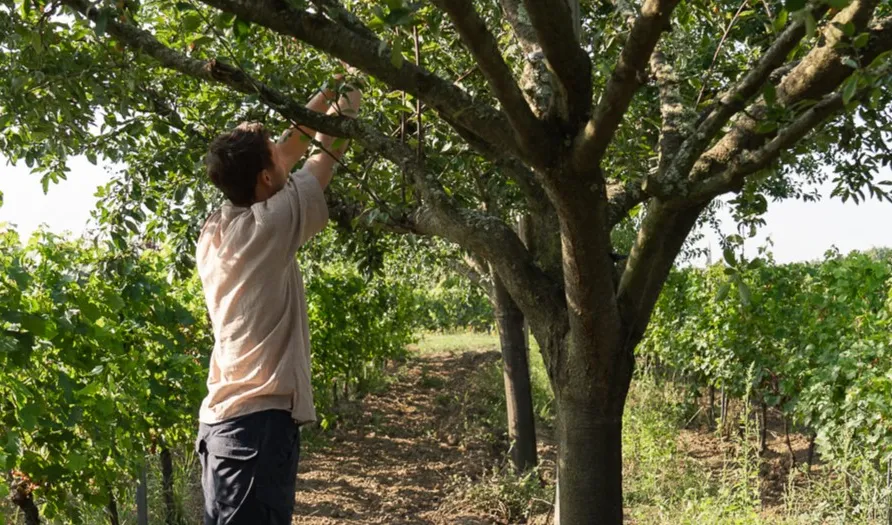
[718,49]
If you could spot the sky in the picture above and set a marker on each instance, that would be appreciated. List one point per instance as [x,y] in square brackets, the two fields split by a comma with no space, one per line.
[799,230]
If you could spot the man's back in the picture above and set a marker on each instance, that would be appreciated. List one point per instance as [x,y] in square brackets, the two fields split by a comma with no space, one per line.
[255,297]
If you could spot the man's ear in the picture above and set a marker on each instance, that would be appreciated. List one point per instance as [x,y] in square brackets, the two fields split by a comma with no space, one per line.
[265,178]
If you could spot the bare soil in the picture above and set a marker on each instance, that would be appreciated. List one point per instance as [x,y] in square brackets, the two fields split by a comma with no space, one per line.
[395,456]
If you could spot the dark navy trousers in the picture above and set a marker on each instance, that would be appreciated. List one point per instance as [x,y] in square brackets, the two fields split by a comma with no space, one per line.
[249,469]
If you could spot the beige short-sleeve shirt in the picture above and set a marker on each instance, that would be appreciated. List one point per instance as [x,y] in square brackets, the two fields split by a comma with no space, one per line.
[255,297]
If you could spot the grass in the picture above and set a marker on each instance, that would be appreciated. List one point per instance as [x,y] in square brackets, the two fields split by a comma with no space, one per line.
[429,343]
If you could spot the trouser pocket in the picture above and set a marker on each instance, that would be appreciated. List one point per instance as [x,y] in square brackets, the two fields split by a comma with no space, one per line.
[230,460]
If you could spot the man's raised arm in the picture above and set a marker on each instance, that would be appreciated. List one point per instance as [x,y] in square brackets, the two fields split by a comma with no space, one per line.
[295,141]
[321,164]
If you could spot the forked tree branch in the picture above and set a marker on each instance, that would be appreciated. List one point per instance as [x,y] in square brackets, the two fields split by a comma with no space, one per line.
[557,33]
[741,152]
[485,50]
[627,77]
[373,57]
[729,104]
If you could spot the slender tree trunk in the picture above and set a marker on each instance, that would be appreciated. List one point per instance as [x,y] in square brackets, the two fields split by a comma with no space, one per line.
[763,445]
[516,371]
[23,498]
[789,444]
[811,450]
[112,509]
[711,407]
[171,516]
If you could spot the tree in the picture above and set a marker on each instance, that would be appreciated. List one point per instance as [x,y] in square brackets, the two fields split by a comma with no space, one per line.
[655,109]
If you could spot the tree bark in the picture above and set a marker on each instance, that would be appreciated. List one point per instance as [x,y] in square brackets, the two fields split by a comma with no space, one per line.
[24,499]
[170,509]
[516,371]
[590,464]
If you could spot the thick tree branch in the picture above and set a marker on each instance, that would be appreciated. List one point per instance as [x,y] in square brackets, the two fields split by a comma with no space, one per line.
[673,111]
[485,50]
[660,238]
[373,57]
[751,162]
[537,82]
[557,33]
[621,198]
[339,14]
[627,77]
[480,233]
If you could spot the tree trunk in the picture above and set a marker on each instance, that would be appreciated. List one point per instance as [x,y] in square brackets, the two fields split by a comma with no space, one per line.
[24,499]
[112,509]
[711,407]
[170,508]
[590,466]
[516,372]
[811,450]
[763,444]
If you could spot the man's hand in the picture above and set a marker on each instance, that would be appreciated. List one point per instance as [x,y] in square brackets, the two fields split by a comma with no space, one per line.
[321,165]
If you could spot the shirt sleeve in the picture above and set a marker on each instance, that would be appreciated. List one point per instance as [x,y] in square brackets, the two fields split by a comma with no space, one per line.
[296,213]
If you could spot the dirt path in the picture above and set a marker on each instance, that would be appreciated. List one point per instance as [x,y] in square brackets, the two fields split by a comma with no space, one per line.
[398,452]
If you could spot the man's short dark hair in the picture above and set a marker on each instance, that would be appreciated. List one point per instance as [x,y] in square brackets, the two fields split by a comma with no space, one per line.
[235,159]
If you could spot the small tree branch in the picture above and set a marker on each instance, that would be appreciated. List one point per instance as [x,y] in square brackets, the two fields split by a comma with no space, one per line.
[372,56]
[538,84]
[485,50]
[558,33]
[627,77]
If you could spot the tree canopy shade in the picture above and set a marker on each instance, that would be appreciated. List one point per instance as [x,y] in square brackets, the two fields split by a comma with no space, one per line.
[580,114]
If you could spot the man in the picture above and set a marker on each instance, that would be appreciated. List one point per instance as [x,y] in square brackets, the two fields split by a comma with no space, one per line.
[259,388]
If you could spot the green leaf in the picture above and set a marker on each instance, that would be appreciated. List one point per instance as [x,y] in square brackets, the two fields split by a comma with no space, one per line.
[794,5]
[1,199]
[27,416]
[34,324]
[838,4]
[861,40]
[744,292]
[723,291]
[76,462]
[101,22]
[766,126]
[728,253]
[770,94]
[396,54]
[338,142]
[90,311]
[781,21]
[185,6]
[850,88]
[811,25]
[191,22]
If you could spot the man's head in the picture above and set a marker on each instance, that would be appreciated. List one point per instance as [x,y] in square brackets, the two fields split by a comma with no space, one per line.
[244,164]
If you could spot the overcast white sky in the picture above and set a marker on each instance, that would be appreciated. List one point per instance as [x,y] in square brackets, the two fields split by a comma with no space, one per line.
[800,231]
